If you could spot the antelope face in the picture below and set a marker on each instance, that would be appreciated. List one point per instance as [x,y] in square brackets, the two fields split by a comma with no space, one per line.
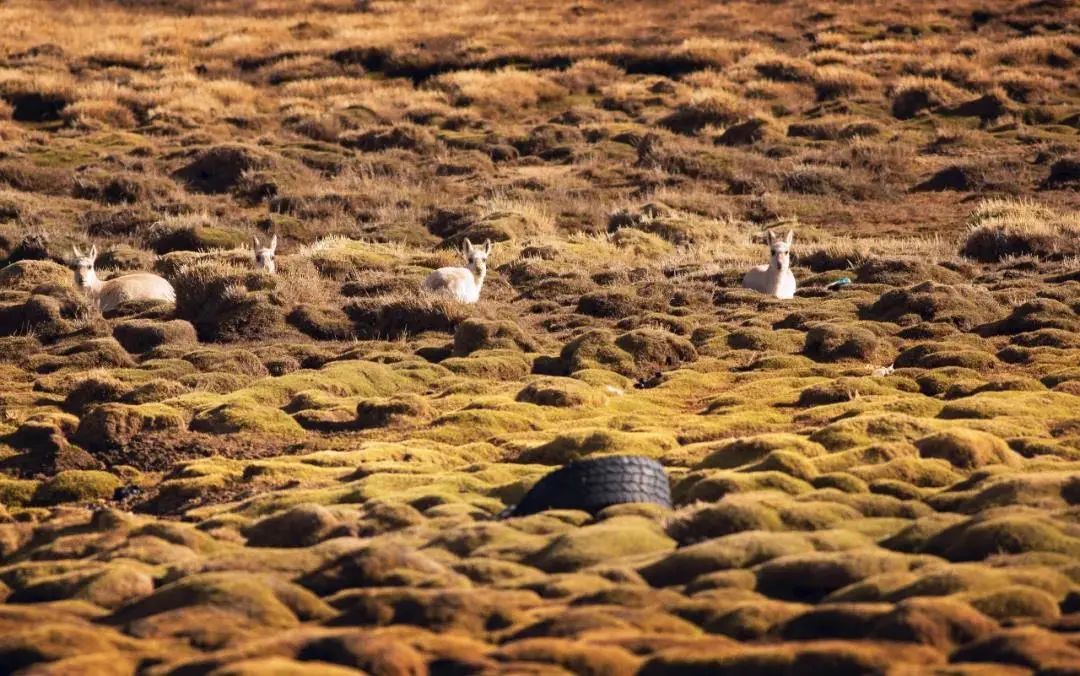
[83,265]
[264,255]
[264,260]
[780,250]
[476,257]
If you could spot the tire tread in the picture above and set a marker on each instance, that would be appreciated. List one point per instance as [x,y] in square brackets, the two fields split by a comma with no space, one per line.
[591,485]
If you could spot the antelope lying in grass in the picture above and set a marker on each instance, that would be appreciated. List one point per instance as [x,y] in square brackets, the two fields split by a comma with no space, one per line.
[113,292]
[464,283]
[264,255]
[774,278]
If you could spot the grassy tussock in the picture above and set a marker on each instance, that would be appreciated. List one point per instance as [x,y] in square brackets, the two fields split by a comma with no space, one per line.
[835,81]
[715,107]
[1002,228]
[505,89]
[911,94]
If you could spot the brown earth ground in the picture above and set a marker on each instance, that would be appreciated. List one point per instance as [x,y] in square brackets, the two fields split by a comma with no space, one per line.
[299,473]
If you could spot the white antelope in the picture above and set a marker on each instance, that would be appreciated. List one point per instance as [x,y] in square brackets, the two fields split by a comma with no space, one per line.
[464,283]
[774,278]
[113,292]
[264,255]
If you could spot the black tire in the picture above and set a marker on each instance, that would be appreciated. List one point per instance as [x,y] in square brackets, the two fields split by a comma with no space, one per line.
[592,485]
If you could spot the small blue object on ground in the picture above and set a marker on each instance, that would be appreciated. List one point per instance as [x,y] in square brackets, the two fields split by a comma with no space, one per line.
[838,284]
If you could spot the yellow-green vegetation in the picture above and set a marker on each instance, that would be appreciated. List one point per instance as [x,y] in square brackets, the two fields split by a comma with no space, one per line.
[302,465]
[77,486]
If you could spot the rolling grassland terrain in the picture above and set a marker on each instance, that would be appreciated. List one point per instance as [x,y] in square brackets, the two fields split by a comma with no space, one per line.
[300,471]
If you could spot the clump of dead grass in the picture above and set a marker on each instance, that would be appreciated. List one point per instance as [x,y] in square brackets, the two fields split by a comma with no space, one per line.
[913,94]
[228,303]
[397,315]
[833,82]
[190,232]
[92,114]
[36,96]
[1004,228]
[190,100]
[588,76]
[506,89]
[716,52]
[708,107]
[1058,51]
[954,68]
[773,65]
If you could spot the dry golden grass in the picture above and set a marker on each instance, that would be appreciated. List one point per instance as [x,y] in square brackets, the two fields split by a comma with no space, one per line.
[1002,228]
[300,472]
[1057,51]
[914,93]
[507,89]
[832,82]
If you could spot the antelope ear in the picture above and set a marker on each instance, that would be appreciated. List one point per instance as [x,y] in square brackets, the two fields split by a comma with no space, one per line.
[75,250]
[487,247]
[769,239]
[93,251]
[255,243]
[468,245]
[790,237]
[273,244]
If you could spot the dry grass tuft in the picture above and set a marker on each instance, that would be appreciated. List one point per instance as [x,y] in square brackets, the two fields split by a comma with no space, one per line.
[910,95]
[712,107]
[505,90]
[1003,228]
[836,81]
